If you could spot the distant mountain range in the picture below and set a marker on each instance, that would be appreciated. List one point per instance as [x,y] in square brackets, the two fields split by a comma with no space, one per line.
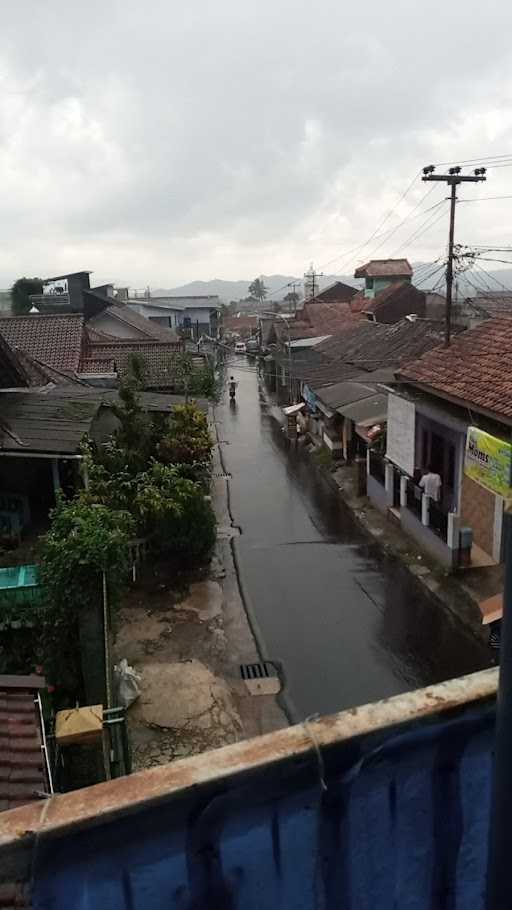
[469,284]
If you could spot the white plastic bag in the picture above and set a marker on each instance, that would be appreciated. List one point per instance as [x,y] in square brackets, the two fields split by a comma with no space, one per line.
[127,683]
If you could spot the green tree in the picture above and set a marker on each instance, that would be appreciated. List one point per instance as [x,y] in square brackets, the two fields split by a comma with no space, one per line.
[292,297]
[175,512]
[187,440]
[83,542]
[258,290]
[20,294]
[134,437]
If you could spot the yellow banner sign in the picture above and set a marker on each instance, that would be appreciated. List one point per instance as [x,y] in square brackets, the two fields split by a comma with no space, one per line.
[488,461]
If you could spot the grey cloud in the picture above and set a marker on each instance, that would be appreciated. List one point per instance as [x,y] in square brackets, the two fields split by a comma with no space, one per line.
[153,141]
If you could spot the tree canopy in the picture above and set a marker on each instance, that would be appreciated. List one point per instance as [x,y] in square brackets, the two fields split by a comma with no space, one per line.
[21,291]
[258,290]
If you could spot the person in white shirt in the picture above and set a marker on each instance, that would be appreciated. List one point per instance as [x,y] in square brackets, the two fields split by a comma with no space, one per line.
[430,483]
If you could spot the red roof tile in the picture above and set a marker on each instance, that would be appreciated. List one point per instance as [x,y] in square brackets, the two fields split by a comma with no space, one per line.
[22,774]
[54,339]
[159,358]
[476,369]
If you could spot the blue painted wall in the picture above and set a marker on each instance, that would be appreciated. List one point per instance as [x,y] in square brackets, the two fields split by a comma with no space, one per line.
[402,825]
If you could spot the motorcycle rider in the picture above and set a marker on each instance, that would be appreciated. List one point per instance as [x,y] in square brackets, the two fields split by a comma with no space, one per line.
[232,386]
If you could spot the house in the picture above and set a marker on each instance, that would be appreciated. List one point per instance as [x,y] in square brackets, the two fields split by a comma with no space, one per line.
[452,409]
[63,293]
[241,325]
[378,274]
[337,292]
[103,333]
[192,315]
[391,303]
[41,434]
[342,383]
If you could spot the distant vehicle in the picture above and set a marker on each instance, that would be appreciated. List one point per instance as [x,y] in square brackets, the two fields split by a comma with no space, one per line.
[240,347]
[252,346]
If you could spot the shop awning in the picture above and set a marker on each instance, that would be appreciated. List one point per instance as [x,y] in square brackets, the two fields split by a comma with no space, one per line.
[367,411]
[294,409]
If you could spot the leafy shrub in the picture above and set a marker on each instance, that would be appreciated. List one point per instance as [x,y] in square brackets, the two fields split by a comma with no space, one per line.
[175,512]
[83,542]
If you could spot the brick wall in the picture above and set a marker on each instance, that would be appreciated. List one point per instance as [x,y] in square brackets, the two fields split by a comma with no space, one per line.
[477,510]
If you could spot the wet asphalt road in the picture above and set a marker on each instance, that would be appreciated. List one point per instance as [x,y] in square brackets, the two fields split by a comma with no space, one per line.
[346,626]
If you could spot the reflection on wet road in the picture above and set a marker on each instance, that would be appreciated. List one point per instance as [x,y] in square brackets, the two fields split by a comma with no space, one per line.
[347,627]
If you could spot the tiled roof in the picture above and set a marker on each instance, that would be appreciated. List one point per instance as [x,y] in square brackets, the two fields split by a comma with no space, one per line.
[55,339]
[110,356]
[384,268]
[402,294]
[476,369]
[239,323]
[366,347]
[316,318]
[22,773]
[499,304]
[145,328]
[338,291]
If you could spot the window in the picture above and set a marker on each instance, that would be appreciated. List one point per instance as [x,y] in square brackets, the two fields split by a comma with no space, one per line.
[369,283]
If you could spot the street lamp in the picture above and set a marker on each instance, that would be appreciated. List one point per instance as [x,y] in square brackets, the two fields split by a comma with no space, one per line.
[286,321]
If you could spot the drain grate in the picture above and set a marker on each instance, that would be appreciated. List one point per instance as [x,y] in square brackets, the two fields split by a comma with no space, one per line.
[264,670]
[221,475]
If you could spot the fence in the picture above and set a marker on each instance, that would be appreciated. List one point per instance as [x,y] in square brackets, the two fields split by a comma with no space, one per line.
[438,520]
[377,467]
[414,495]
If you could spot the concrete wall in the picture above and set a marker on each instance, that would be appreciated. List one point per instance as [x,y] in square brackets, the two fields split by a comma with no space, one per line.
[117,328]
[478,508]
[426,539]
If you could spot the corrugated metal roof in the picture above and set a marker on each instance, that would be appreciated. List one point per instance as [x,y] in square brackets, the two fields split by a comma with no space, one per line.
[37,422]
[366,411]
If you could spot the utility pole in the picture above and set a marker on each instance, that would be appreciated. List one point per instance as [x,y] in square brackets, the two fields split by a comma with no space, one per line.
[452,179]
[310,283]
[293,285]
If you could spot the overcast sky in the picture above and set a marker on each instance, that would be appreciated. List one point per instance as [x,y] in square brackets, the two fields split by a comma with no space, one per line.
[162,142]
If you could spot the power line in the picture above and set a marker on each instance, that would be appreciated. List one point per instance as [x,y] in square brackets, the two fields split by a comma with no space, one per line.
[492,277]
[404,220]
[380,225]
[422,230]
[474,160]
[430,275]
[484,199]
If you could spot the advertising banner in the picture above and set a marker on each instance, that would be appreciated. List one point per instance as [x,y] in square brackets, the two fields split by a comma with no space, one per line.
[401,433]
[488,461]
